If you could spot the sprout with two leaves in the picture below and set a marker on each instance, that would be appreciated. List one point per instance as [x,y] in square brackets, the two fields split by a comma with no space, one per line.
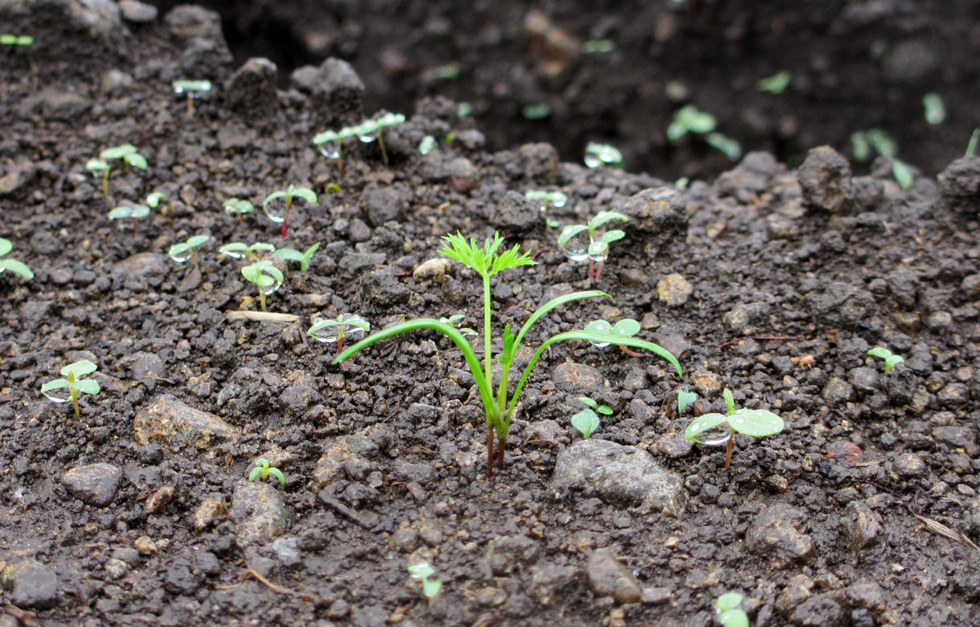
[587,420]
[597,154]
[238,207]
[337,329]
[498,402]
[17,267]
[431,584]
[279,211]
[130,212]
[624,328]
[182,251]
[891,359]
[302,258]
[263,470]
[248,252]
[719,429]
[193,89]
[730,612]
[581,241]
[102,166]
[16,40]
[546,198]
[456,320]
[73,383]
[331,142]
[266,277]
[691,120]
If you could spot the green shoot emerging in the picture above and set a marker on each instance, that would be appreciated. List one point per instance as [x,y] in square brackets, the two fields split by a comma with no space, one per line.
[498,405]
[878,140]
[971,146]
[134,213]
[102,166]
[597,46]
[685,398]
[719,429]
[935,109]
[431,585]
[775,84]
[891,359]
[587,420]
[302,258]
[597,154]
[427,144]
[16,40]
[248,252]
[690,120]
[263,470]
[331,142]
[266,277]
[67,388]
[275,211]
[730,612]
[335,330]
[17,267]
[580,241]
[193,89]
[183,251]
[238,207]
[545,198]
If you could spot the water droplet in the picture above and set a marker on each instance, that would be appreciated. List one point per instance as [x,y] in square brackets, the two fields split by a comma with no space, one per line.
[352,332]
[326,334]
[367,138]
[718,436]
[577,248]
[559,201]
[178,89]
[276,210]
[58,395]
[270,286]
[180,256]
[599,344]
[598,251]
[235,254]
[592,161]
[330,150]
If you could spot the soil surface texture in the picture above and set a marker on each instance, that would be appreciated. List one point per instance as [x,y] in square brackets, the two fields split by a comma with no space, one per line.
[772,282]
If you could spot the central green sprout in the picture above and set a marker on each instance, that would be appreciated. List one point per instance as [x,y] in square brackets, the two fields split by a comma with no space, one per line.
[719,429]
[596,249]
[193,89]
[102,167]
[74,383]
[487,261]
[17,267]
[287,195]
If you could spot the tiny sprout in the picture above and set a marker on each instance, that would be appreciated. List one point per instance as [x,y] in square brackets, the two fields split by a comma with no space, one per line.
[153,200]
[456,321]
[935,109]
[263,470]
[891,359]
[578,247]
[235,206]
[597,46]
[17,267]
[690,119]
[536,111]
[587,420]
[730,612]
[597,154]
[427,144]
[464,109]
[101,166]
[344,326]
[302,258]
[730,147]
[685,398]
[971,146]
[546,198]
[248,252]
[289,194]
[445,72]
[386,121]
[431,585]
[16,40]
[183,251]
[863,142]
[775,84]
[266,277]
[721,428]
[133,213]
[625,328]
[73,383]
[193,89]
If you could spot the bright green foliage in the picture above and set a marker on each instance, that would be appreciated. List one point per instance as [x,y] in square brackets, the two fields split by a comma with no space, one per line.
[596,248]
[266,277]
[248,252]
[193,89]
[587,420]
[597,154]
[721,428]
[287,195]
[879,141]
[456,320]
[183,251]
[336,330]
[302,258]
[74,383]
[775,84]
[971,146]
[730,612]
[488,260]
[153,200]
[685,398]
[263,470]
[547,198]
[17,267]
[16,40]
[103,167]
[431,585]
[689,119]
[130,212]
[891,359]
[935,109]
[238,207]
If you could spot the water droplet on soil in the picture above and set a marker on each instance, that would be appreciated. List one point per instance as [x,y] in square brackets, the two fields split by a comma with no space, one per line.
[592,161]
[276,210]
[577,248]
[182,256]
[270,288]
[330,150]
[59,395]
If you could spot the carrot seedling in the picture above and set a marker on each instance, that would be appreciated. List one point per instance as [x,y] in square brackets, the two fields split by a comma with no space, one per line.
[719,429]
[278,211]
[302,258]
[263,470]
[582,241]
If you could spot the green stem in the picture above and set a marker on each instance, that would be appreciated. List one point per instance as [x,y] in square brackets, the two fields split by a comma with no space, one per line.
[262,300]
[487,356]
[105,182]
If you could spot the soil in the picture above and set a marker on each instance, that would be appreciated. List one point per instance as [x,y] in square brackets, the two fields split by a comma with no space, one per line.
[771,282]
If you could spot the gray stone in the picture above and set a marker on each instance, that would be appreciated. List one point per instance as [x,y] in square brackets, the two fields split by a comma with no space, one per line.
[336,94]
[31,584]
[137,12]
[608,578]
[258,512]
[864,380]
[861,526]
[17,177]
[961,178]
[178,425]
[623,475]
[841,304]
[353,263]
[338,454]
[776,533]
[551,583]
[674,290]
[251,90]
[382,289]
[95,484]
[139,265]
[54,103]
[818,611]
[232,136]
[422,474]
[746,318]
[538,160]
[576,378]
[837,391]
[825,178]
[188,22]
[658,221]
[515,213]
[955,437]
[909,466]
[296,399]
[385,204]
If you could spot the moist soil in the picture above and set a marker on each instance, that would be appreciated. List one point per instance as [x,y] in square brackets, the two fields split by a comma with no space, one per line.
[771,282]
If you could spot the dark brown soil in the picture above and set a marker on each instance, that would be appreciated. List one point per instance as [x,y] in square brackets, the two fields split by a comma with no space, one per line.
[772,282]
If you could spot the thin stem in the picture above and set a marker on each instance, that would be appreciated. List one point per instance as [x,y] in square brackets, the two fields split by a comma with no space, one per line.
[501,445]
[598,271]
[340,157]
[381,144]
[489,451]
[487,357]
[105,182]
[193,258]
[285,217]
[591,266]
[728,450]
[262,300]
[190,105]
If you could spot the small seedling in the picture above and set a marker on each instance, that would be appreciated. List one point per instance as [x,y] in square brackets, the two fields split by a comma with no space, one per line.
[878,140]
[266,277]
[690,120]
[17,267]
[288,195]
[594,248]
[427,144]
[546,198]
[597,46]
[263,470]
[498,403]
[597,154]
[73,383]
[971,146]
[685,398]
[134,213]
[730,612]
[536,111]
[331,142]
[235,206]
[302,258]
[719,429]
[153,200]
[248,252]
[935,109]
[891,359]
[193,89]
[431,585]
[102,166]
[336,330]
[369,127]
[464,109]
[183,251]
[456,320]
[626,327]
[587,420]
[775,84]
[16,40]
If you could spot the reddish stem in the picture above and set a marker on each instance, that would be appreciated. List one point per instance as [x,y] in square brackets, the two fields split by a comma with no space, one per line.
[728,451]
[489,452]
[598,271]
[501,445]
[285,219]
